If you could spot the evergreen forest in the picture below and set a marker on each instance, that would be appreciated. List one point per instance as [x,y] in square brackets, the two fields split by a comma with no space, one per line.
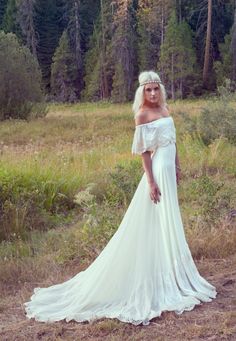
[93,50]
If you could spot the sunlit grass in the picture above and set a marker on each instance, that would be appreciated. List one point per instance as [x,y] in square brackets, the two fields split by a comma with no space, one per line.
[75,145]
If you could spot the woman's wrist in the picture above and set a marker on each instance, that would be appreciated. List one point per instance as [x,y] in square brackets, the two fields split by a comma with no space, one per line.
[151,182]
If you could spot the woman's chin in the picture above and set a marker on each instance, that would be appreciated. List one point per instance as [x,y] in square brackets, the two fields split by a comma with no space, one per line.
[153,102]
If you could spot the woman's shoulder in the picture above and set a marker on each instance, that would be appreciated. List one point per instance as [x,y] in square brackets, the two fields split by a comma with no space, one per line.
[141,117]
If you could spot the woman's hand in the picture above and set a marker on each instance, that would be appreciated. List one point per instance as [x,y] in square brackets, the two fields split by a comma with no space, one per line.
[178,175]
[155,192]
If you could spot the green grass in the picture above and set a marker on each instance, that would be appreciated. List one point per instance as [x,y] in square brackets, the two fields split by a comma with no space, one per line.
[45,163]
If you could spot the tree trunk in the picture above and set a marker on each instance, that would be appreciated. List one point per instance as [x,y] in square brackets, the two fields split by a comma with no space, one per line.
[172,77]
[77,36]
[180,10]
[207,45]
[104,82]
[162,22]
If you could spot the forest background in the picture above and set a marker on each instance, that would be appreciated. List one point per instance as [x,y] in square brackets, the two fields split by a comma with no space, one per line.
[94,49]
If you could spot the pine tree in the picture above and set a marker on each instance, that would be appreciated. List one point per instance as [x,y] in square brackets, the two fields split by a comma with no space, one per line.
[89,12]
[74,35]
[63,72]
[25,18]
[123,52]
[3,5]
[169,52]
[10,23]
[77,16]
[177,55]
[223,68]
[186,58]
[49,29]
[93,73]
[98,60]
[145,53]
[152,17]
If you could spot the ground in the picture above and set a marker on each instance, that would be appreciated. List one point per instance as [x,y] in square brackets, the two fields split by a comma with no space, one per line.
[215,320]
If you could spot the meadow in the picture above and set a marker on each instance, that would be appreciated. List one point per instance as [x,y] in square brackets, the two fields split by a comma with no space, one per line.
[67,179]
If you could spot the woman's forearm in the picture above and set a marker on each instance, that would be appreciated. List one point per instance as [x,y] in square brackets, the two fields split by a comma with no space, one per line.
[155,192]
[147,165]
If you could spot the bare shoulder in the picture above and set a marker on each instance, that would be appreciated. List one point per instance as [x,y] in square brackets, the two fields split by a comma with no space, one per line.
[141,117]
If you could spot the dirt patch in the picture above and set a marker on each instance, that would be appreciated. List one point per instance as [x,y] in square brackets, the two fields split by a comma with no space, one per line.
[215,320]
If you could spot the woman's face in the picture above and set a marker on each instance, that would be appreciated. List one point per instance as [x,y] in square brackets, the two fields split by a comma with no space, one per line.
[151,94]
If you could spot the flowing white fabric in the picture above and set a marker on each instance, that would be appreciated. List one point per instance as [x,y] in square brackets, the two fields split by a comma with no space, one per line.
[146,267]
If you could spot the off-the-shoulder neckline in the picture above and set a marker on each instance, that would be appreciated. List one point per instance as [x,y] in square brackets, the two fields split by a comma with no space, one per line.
[144,124]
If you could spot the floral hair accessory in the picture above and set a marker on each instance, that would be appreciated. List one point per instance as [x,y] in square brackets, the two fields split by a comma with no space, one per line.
[147,82]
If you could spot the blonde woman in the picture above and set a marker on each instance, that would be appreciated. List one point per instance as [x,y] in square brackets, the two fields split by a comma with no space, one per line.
[146,267]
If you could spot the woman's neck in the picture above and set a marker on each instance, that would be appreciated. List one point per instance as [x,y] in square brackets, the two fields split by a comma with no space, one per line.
[152,106]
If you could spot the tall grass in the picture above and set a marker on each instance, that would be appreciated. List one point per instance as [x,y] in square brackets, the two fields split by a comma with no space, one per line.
[50,210]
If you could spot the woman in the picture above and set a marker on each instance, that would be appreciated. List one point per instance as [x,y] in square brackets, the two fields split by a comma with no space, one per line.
[146,267]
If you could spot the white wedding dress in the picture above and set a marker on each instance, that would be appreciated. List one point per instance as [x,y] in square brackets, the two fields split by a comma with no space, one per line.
[146,267]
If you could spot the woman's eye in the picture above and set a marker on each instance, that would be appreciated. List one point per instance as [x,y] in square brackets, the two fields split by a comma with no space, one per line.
[155,89]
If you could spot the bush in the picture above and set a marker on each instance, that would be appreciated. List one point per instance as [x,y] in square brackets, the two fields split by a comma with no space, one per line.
[30,202]
[188,124]
[20,80]
[124,181]
[211,201]
[218,119]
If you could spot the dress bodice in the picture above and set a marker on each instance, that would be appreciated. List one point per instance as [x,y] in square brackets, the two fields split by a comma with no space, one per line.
[149,136]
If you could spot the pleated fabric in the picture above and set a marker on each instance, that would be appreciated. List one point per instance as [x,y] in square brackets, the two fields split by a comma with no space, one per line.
[146,267]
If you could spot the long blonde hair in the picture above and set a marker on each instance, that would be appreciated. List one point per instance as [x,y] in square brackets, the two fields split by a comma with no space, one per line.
[144,78]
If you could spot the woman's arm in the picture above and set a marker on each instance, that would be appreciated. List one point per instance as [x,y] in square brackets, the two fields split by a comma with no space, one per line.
[147,165]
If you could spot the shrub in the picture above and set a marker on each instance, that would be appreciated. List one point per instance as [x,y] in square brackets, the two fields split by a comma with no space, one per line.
[124,180]
[211,201]
[30,202]
[218,119]
[20,80]
[188,124]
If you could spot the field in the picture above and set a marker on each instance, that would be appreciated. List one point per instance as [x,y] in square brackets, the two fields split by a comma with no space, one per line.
[65,183]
